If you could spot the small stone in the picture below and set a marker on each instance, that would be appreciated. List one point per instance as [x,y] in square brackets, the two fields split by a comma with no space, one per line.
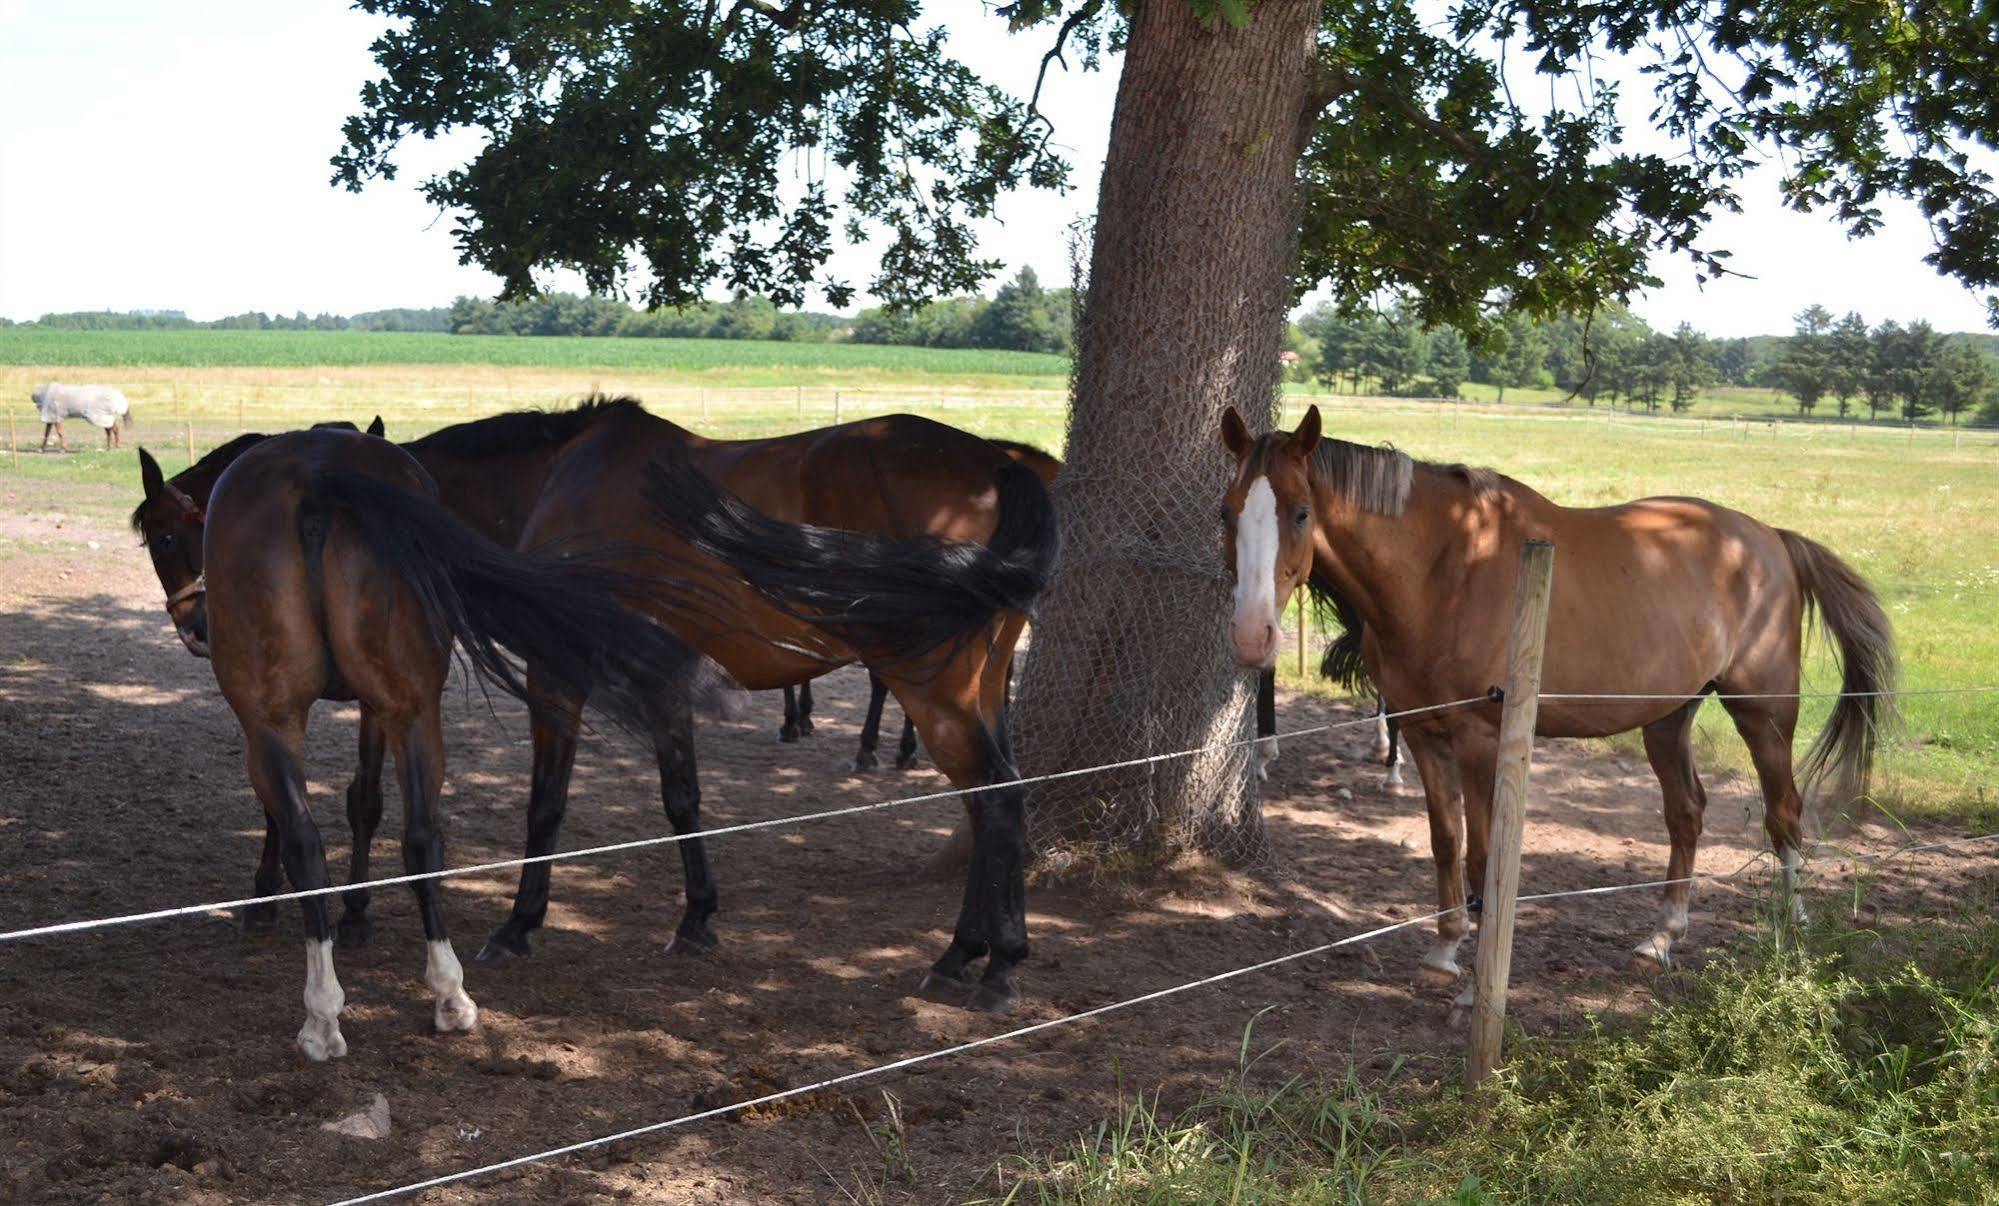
[371,1123]
[1344,793]
[93,544]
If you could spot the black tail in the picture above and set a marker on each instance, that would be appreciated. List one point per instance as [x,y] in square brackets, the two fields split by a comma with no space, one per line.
[562,615]
[893,599]
[1342,663]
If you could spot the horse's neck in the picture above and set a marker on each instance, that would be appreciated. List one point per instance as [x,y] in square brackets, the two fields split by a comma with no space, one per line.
[1385,565]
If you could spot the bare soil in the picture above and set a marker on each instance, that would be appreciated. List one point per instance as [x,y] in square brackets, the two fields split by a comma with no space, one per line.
[154,1062]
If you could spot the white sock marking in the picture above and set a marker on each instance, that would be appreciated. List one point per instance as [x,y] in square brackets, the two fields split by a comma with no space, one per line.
[455,1010]
[320,1038]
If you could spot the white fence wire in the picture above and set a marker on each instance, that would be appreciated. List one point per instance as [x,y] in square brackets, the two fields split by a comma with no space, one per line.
[846,1078]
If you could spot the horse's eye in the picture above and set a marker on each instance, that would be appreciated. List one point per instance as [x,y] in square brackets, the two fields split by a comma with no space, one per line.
[167,540]
[1302,516]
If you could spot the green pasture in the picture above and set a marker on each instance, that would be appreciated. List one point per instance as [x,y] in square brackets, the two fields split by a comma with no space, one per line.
[1917,512]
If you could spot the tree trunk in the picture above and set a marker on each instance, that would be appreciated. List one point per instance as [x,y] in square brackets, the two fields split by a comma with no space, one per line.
[1195,239]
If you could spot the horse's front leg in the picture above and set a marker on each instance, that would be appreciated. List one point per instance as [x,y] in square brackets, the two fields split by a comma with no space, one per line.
[865,759]
[1442,793]
[680,791]
[548,799]
[364,815]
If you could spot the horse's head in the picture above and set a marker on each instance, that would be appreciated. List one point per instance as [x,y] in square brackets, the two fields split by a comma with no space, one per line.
[1267,522]
[170,521]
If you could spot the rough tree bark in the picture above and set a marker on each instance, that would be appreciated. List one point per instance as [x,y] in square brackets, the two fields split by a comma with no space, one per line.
[1194,243]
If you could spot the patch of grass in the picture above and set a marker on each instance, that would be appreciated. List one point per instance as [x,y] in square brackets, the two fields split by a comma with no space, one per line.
[1866,1073]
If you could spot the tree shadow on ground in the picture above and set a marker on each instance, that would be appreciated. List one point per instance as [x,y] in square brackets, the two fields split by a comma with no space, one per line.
[154,1060]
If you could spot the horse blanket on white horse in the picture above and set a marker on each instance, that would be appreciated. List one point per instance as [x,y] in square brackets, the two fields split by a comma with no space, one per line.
[99,404]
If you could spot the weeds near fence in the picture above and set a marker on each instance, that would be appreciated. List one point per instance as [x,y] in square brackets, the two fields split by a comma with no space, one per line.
[1857,1066]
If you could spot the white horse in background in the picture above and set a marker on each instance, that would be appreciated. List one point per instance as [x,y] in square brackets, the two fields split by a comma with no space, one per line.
[99,404]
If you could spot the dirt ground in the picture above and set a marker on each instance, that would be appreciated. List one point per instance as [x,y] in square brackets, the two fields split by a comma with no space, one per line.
[154,1062]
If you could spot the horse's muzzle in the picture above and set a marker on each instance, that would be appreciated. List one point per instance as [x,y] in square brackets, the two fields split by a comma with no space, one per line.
[188,609]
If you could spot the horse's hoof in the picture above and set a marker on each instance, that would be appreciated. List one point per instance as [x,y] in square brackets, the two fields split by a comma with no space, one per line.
[1651,958]
[257,918]
[909,763]
[696,942]
[320,1041]
[866,761]
[1438,975]
[804,726]
[505,944]
[943,989]
[987,999]
[456,1015]
[788,734]
[351,932]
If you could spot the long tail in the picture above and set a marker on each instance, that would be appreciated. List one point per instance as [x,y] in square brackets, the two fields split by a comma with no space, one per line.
[1866,643]
[1342,663]
[563,615]
[895,599]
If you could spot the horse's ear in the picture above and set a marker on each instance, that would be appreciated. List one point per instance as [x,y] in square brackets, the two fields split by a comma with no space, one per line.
[1307,435]
[150,476]
[1235,433]
[376,428]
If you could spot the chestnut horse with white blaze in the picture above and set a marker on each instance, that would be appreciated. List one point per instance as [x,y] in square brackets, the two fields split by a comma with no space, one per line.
[1667,597]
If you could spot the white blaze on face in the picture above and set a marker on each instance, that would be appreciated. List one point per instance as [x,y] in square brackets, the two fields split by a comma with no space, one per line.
[1254,626]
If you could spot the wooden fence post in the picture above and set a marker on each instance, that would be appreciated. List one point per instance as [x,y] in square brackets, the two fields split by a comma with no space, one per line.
[798,404]
[1509,804]
[13,449]
[190,442]
[836,407]
[704,405]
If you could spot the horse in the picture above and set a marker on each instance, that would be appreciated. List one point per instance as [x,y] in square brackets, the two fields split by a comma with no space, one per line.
[170,523]
[1669,597]
[332,572]
[897,541]
[99,404]
[798,701]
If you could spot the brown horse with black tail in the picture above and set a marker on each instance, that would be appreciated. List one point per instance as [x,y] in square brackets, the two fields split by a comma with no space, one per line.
[897,541]
[1672,598]
[333,573]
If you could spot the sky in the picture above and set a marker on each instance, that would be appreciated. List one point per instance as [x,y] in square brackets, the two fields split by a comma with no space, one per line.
[174,156]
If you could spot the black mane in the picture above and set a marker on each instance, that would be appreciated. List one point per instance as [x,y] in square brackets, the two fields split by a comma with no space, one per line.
[522,431]
[1020,446]
[197,479]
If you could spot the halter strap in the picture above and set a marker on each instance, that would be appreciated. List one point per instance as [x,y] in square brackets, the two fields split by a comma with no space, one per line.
[195,588]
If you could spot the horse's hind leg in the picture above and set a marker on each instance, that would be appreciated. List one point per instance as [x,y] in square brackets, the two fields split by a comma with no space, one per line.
[905,750]
[420,768]
[1767,727]
[548,799]
[364,816]
[871,728]
[680,791]
[1669,745]
[805,708]
[272,754]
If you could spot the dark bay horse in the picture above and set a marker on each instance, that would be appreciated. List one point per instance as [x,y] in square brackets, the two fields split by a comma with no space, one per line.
[935,527]
[332,572]
[1672,597]
[170,520]
[798,702]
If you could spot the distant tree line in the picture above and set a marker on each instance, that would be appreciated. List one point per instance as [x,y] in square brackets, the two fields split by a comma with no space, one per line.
[1615,357]
[1022,316]
[1908,371]
[436,319]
